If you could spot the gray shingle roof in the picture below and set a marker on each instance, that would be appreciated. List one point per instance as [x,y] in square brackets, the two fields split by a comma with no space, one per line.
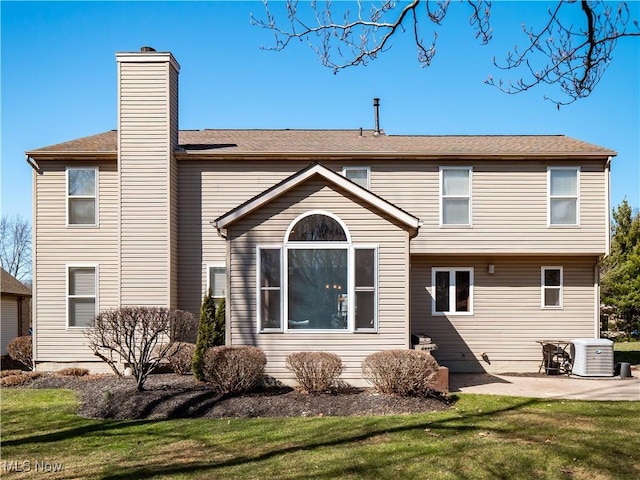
[239,142]
[11,285]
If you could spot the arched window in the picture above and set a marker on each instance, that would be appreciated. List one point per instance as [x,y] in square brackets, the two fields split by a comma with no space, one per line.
[317,227]
[309,282]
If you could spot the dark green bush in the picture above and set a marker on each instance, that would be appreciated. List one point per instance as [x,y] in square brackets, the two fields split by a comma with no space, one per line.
[211,331]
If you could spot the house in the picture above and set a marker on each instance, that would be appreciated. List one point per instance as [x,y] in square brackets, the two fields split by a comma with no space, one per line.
[346,241]
[15,306]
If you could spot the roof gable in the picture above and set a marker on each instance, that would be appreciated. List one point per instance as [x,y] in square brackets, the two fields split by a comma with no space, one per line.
[316,169]
[12,285]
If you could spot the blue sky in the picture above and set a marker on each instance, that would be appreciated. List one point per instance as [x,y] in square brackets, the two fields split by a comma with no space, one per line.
[59,82]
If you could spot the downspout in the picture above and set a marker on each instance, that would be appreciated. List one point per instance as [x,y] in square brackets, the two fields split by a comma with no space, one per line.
[607,247]
[607,189]
[33,164]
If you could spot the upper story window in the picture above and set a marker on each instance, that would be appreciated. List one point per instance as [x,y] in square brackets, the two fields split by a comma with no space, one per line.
[455,196]
[217,281]
[81,295]
[563,196]
[359,175]
[82,198]
[551,287]
[452,291]
[317,280]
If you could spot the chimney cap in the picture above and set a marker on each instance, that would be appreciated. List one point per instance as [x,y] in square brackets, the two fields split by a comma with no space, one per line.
[147,49]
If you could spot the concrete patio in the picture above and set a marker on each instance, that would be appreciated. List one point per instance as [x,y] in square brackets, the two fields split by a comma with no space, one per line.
[555,386]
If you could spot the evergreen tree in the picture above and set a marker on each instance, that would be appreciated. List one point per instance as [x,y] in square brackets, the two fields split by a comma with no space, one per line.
[620,283]
[206,333]
[219,324]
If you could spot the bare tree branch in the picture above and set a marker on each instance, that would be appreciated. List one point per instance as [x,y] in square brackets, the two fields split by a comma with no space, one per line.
[573,58]
[15,246]
[359,39]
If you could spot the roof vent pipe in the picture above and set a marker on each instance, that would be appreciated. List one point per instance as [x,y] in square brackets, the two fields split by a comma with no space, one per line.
[147,49]
[376,111]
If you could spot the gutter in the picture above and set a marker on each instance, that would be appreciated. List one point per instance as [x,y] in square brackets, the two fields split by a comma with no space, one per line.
[33,164]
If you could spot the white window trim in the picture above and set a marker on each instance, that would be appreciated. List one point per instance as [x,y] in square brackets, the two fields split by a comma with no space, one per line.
[367,169]
[96,223]
[577,198]
[68,296]
[543,288]
[259,322]
[284,280]
[209,267]
[452,290]
[318,212]
[375,289]
[442,197]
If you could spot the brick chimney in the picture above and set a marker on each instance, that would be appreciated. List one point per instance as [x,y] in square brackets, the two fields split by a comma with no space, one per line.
[147,172]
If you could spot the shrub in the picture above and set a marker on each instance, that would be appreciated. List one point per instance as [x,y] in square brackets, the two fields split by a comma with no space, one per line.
[19,379]
[210,331]
[315,371]
[72,372]
[400,372]
[233,369]
[8,373]
[139,337]
[180,357]
[20,349]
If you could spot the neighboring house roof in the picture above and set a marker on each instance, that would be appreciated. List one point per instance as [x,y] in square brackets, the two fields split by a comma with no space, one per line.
[12,285]
[303,175]
[224,143]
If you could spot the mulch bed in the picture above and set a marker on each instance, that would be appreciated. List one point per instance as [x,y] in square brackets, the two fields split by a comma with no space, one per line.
[174,396]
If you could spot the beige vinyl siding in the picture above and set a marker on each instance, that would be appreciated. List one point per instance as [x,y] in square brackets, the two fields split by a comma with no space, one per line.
[207,190]
[173,187]
[507,315]
[57,246]
[509,207]
[268,226]
[9,315]
[145,145]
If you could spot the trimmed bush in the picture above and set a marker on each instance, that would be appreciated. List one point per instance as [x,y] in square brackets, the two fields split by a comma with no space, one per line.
[315,371]
[19,379]
[233,369]
[180,357]
[72,372]
[20,349]
[8,373]
[400,372]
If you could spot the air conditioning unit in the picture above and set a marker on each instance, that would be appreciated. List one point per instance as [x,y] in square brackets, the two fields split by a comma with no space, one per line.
[592,357]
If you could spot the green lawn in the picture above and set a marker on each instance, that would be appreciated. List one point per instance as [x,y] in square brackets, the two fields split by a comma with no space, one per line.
[627,352]
[481,437]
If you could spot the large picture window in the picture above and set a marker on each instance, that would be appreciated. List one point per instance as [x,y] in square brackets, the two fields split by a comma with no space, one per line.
[82,205]
[452,291]
[81,295]
[563,188]
[329,284]
[455,196]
